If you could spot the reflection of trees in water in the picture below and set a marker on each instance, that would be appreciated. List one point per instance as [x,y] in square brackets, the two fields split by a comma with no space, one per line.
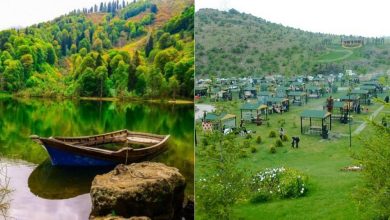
[21,118]
[4,191]
[180,154]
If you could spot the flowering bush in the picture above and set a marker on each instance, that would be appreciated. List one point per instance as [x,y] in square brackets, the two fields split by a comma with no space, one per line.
[277,183]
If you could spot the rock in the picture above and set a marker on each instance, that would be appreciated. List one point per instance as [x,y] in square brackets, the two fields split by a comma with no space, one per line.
[352,168]
[139,189]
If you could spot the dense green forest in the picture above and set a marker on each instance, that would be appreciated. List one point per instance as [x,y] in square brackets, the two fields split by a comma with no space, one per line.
[115,49]
[230,43]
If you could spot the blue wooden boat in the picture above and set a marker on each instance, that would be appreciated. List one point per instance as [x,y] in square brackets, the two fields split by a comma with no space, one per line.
[90,151]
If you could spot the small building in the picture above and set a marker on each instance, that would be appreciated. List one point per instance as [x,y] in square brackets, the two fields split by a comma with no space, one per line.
[249,92]
[298,98]
[314,92]
[297,86]
[320,122]
[340,110]
[372,90]
[252,112]
[264,95]
[278,105]
[266,86]
[352,41]
[282,91]
[200,91]
[213,121]
[352,102]
[363,95]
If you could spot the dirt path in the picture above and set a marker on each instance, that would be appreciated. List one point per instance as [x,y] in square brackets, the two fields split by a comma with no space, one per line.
[364,124]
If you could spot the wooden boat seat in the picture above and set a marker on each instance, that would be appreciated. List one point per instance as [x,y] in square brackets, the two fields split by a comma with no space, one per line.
[142,140]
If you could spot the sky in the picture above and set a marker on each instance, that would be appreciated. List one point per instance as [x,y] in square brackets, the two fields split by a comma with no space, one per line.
[22,13]
[368,18]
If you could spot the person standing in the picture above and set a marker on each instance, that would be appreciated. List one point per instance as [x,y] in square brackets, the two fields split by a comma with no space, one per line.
[281,134]
[293,142]
[329,104]
[296,142]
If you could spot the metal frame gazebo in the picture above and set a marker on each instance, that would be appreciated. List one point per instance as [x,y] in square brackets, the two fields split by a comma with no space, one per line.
[317,115]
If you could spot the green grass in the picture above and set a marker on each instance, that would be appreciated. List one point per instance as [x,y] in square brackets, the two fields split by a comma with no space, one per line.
[330,190]
[335,55]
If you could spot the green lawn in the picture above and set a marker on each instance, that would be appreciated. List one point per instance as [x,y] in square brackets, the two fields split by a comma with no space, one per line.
[334,55]
[330,190]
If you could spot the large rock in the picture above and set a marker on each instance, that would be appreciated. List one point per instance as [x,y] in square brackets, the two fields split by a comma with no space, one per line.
[139,189]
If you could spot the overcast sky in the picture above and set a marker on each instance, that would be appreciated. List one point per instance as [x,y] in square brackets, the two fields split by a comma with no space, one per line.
[16,13]
[370,18]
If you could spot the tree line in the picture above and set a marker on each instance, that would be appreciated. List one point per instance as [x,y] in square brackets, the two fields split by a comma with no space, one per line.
[74,56]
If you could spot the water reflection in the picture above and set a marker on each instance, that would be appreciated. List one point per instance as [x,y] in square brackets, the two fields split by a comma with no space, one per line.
[49,182]
[40,189]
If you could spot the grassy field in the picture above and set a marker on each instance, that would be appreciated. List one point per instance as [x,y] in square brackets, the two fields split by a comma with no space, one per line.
[333,55]
[330,194]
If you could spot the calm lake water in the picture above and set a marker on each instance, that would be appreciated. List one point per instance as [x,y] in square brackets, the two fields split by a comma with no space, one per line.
[41,191]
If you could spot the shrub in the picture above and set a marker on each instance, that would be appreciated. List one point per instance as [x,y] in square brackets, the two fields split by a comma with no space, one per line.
[258,139]
[253,149]
[272,150]
[285,138]
[278,143]
[281,122]
[260,197]
[277,183]
[248,136]
[268,124]
[272,134]
[205,142]
[246,144]
[243,154]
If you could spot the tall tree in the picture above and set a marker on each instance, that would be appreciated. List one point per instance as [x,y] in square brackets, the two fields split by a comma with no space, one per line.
[102,75]
[137,59]
[149,46]
[132,78]
[51,55]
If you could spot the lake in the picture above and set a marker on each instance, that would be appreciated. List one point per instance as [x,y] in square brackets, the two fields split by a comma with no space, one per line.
[41,191]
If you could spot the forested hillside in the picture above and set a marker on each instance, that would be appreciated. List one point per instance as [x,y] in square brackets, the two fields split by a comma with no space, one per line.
[114,49]
[238,44]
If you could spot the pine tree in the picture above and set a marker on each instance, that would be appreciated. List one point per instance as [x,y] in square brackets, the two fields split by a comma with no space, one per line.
[149,46]
[132,79]
[137,59]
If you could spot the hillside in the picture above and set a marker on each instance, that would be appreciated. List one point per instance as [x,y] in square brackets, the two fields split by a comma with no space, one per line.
[238,44]
[114,49]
